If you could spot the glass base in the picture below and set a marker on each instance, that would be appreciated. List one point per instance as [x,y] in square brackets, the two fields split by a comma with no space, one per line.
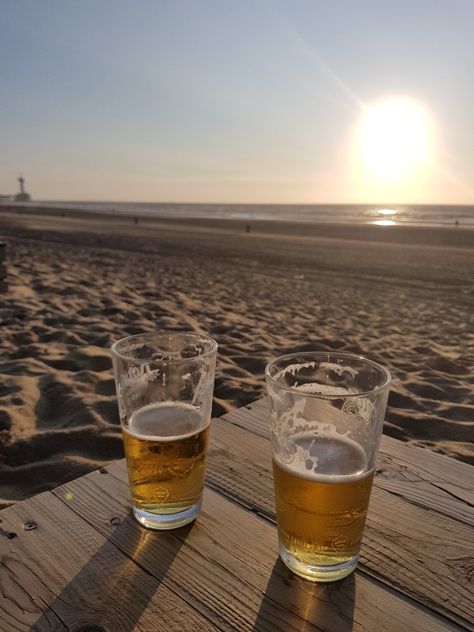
[166,521]
[320,573]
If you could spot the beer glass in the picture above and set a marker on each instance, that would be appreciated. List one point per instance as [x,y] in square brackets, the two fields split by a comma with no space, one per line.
[164,387]
[326,415]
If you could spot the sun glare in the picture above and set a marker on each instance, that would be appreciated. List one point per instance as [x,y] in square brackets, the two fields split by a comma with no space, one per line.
[395,139]
[384,222]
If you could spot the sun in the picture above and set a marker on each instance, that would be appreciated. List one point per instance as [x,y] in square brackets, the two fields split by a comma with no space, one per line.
[395,139]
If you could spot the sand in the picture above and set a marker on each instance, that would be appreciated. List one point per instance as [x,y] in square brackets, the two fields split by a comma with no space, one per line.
[401,296]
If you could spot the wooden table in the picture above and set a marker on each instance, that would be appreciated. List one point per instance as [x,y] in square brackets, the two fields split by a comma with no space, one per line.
[75,559]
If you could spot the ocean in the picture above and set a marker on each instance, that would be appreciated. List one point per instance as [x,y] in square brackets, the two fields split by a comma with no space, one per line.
[407,215]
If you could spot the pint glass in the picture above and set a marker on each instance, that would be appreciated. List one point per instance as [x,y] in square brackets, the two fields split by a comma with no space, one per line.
[326,415]
[164,389]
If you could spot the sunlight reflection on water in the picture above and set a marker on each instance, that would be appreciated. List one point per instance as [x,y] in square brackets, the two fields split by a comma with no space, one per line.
[384,222]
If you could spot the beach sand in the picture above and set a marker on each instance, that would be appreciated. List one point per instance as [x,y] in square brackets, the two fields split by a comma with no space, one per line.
[401,296]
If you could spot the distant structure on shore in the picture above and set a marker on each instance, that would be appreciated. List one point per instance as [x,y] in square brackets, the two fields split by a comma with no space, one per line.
[22,196]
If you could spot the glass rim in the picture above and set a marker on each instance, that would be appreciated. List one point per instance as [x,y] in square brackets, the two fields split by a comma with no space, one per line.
[325,354]
[162,334]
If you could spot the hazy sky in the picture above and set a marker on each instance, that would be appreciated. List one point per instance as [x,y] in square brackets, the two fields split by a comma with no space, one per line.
[236,101]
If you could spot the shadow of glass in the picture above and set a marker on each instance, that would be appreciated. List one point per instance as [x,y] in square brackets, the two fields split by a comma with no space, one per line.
[292,603]
[112,586]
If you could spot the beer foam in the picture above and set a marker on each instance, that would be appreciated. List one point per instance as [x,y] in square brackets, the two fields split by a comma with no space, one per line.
[166,421]
[321,458]
[293,368]
[317,388]
[339,368]
[322,389]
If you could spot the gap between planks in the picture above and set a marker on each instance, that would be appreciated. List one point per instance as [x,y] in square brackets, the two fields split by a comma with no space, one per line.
[418,475]
[228,537]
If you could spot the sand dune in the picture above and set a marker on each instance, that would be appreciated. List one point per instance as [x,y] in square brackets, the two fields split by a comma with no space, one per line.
[76,288]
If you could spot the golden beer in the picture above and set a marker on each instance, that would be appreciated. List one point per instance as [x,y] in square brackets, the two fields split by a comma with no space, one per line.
[165,449]
[322,497]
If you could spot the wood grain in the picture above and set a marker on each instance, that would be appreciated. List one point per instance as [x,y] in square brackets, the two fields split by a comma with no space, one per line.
[87,565]
[226,567]
[407,545]
[64,575]
[419,476]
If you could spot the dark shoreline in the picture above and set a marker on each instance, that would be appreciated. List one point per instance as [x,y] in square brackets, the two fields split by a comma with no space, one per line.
[454,237]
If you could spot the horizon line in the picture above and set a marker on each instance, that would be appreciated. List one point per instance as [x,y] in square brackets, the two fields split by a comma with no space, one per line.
[109,201]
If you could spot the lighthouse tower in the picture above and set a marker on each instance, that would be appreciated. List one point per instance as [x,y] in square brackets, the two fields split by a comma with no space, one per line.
[22,196]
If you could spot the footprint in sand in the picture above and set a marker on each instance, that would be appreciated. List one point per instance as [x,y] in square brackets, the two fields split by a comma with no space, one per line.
[92,360]
[252,363]
[427,391]
[105,387]
[448,366]
[108,410]
[398,400]
[54,445]
[5,420]
[60,405]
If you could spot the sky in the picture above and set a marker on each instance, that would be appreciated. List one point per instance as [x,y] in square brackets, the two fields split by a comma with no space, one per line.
[245,101]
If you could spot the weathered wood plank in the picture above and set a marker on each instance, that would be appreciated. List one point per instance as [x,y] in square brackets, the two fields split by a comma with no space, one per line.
[433,564]
[253,417]
[420,476]
[226,567]
[408,546]
[65,575]
[453,478]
